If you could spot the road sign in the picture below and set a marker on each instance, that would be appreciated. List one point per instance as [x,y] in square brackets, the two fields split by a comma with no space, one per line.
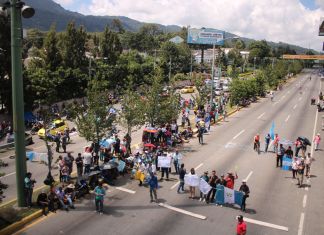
[205,36]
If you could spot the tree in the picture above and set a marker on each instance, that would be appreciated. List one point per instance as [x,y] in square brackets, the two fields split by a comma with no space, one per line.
[259,50]
[51,54]
[239,44]
[93,120]
[111,47]
[73,42]
[117,26]
[235,57]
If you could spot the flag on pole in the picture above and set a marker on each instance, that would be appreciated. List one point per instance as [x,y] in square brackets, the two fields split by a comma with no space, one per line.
[227,195]
[271,132]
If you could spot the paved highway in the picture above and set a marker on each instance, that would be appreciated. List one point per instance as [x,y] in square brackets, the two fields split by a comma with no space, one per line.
[276,205]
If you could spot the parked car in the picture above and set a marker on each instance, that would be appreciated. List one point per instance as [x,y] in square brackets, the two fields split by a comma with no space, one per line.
[188,89]
[57,125]
[28,139]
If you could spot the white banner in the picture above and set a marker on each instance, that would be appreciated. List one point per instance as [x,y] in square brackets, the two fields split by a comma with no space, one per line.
[204,187]
[192,180]
[164,161]
[229,195]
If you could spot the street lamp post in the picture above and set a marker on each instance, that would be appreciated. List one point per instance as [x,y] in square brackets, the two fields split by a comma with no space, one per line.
[212,74]
[18,9]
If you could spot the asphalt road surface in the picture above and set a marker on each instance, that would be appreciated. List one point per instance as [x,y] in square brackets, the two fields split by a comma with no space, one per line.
[275,206]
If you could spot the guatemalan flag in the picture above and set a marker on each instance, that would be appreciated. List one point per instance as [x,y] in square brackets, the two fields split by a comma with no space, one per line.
[227,195]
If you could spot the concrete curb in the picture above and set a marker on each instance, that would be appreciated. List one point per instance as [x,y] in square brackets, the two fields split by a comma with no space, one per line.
[11,229]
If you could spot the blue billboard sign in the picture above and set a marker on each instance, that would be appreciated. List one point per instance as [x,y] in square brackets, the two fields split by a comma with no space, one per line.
[206,36]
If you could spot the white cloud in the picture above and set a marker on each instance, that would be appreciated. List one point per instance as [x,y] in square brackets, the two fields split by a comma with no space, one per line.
[65,2]
[274,20]
[319,3]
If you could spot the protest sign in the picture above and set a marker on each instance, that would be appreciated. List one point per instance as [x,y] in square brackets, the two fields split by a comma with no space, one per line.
[204,187]
[164,161]
[192,180]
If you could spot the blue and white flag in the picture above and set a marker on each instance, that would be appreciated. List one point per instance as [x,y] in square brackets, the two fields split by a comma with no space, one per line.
[286,163]
[227,195]
[271,132]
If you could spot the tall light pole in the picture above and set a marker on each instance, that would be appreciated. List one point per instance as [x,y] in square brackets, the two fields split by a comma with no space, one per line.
[18,9]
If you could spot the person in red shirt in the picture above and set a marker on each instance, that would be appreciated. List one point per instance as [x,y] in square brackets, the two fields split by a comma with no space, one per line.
[230,178]
[256,143]
[276,143]
[241,226]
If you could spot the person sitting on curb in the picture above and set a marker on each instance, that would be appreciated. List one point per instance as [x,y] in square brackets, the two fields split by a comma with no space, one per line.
[42,202]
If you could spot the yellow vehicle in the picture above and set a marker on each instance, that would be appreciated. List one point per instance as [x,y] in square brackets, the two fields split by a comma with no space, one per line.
[58,125]
[188,89]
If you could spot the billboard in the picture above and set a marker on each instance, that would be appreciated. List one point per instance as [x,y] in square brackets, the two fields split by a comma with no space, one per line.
[206,36]
[303,57]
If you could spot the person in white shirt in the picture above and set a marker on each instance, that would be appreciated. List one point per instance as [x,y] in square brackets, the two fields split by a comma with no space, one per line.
[87,160]
[177,158]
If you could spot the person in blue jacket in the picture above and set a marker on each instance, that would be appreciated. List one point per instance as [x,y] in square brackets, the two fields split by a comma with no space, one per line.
[153,183]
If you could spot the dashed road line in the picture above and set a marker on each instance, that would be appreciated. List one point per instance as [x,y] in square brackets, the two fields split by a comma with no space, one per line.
[295,106]
[126,190]
[202,217]
[287,118]
[249,175]
[301,223]
[241,132]
[6,175]
[304,200]
[261,115]
[200,165]
[266,224]
[175,185]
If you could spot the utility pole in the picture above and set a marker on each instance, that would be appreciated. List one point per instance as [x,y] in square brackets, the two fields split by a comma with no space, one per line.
[212,79]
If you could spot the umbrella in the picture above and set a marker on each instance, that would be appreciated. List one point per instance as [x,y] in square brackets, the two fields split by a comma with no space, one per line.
[149,145]
[305,140]
[150,130]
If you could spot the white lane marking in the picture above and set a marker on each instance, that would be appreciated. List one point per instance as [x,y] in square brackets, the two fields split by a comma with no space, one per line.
[126,190]
[202,217]
[249,175]
[265,224]
[287,118]
[12,173]
[295,106]
[230,145]
[299,98]
[261,115]
[241,132]
[200,165]
[301,224]
[304,200]
[175,185]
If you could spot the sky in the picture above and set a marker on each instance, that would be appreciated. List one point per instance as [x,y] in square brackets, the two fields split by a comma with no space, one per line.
[291,21]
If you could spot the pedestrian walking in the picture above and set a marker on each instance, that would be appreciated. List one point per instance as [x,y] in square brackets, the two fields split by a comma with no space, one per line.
[153,183]
[280,153]
[28,189]
[317,140]
[241,226]
[212,181]
[182,173]
[246,193]
[308,163]
[99,192]
[267,139]
[79,165]
[300,172]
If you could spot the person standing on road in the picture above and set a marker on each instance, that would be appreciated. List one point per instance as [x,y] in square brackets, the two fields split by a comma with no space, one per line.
[246,193]
[79,165]
[280,153]
[64,142]
[87,159]
[153,183]
[276,143]
[60,166]
[308,162]
[203,197]
[192,189]
[68,160]
[298,146]
[99,192]
[213,181]
[294,167]
[317,140]
[177,157]
[241,226]
[28,189]
[267,139]
[222,180]
[165,169]
[201,130]
[300,172]
[57,140]
[182,173]
[230,180]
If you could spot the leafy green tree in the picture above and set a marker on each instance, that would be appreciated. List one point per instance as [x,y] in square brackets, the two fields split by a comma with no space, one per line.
[51,54]
[259,50]
[235,57]
[117,26]
[239,44]
[203,91]
[73,43]
[110,47]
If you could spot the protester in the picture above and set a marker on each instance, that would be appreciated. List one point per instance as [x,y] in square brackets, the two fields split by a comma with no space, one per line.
[87,160]
[65,174]
[300,172]
[201,130]
[68,160]
[213,181]
[165,170]
[289,153]
[267,139]
[246,193]
[222,180]
[276,143]
[28,189]
[317,140]
[61,198]
[230,180]
[241,226]
[153,183]
[79,165]
[294,167]
[99,192]
[203,197]
[60,166]
[42,202]
[64,142]
[308,162]
[298,146]
[177,157]
[192,189]
[280,154]
[182,173]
